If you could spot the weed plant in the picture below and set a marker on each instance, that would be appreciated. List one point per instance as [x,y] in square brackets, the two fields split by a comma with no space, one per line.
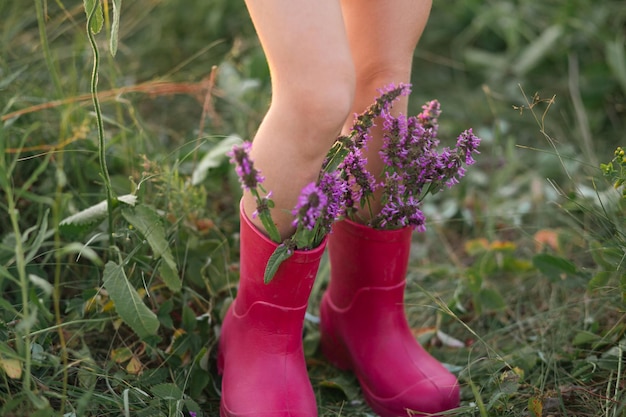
[118,221]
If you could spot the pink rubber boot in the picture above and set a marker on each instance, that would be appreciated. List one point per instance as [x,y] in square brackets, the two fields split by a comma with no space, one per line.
[260,348]
[364,327]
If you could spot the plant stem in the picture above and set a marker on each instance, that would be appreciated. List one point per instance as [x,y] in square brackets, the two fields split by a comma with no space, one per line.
[104,172]
[20,262]
[56,295]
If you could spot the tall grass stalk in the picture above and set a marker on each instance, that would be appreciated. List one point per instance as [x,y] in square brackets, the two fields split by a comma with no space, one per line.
[56,212]
[104,172]
[23,331]
[57,290]
[618,383]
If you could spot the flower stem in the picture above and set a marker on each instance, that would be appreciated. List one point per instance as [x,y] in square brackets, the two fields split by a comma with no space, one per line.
[104,172]
[266,217]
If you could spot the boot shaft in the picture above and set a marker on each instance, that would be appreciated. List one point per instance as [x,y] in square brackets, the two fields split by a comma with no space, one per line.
[260,351]
[292,283]
[362,257]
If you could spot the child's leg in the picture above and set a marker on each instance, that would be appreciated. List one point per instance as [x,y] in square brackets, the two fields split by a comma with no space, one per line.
[362,313]
[312,91]
[382,37]
[260,351]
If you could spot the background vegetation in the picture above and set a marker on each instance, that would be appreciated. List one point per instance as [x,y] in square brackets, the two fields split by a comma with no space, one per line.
[518,285]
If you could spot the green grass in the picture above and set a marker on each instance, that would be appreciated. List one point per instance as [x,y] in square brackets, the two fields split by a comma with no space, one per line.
[522,266]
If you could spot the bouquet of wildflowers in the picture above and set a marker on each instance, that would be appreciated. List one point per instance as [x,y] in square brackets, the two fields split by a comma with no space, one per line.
[413,168]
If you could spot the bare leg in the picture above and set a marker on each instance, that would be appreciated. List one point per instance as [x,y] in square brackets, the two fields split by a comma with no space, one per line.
[383,36]
[312,90]
[362,314]
[260,352]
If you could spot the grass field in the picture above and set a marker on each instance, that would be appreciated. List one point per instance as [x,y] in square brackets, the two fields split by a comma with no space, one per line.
[118,220]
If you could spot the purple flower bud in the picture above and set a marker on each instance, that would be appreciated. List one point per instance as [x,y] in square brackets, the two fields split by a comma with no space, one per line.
[401,212]
[360,182]
[430,115]
[467,143]
[334,188]
[311,203]
[249,177]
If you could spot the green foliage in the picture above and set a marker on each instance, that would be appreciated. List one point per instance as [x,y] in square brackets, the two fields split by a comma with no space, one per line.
[147,221]
[128,303]
[615,170]
[95,18]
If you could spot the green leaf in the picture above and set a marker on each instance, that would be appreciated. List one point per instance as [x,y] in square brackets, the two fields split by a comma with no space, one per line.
[169,273]
[148,223]
[554,267]
[270,227]
[214,158]
[167,391]
[599,280]
[280,255]
[128,303]
[490,299]
[584,338]
[93,9]
[84,220]
[345,384]
[335,156]
[304,237]
[41,283]
[189,322]
[115,25]
[608,257]
[191,404]
[42,234]
[81,251]
[164,314]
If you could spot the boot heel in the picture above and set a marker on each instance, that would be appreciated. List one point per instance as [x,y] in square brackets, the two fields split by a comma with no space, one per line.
[330,344]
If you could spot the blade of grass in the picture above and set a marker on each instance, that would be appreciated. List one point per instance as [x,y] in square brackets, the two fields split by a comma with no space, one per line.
[23,339]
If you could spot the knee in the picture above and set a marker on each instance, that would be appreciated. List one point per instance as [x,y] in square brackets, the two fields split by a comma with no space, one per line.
[377,74]
[320,102]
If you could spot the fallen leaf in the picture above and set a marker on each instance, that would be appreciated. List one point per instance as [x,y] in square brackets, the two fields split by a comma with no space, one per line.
[535,407]
[12,367]
[134,366]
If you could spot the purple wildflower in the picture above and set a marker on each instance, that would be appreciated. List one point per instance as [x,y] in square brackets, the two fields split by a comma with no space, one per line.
[385,100]
[467,144]
[249,177]
[391,93]
[401,212]
[311,203]
[192,414]
[334,188]
[394,151]
[430,115]
[414,167]
[360,182]
[364,121]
